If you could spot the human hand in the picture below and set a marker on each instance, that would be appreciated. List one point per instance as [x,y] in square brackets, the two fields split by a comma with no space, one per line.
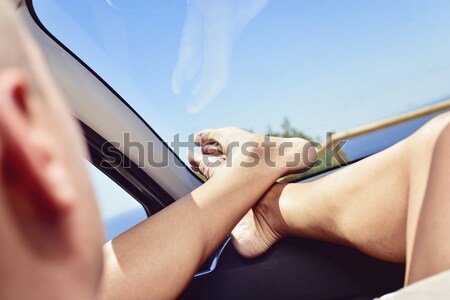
[210,29]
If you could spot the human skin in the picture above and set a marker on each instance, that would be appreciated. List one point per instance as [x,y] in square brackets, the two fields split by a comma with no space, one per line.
[50,230]
[167,249]
[50,224]
[394,205]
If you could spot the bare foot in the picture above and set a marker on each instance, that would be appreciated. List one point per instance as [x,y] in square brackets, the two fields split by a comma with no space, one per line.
[238,147]
[261,227]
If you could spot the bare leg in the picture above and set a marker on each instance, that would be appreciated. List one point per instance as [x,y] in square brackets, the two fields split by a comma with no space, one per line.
[431,248]
[390,205]
[157,258]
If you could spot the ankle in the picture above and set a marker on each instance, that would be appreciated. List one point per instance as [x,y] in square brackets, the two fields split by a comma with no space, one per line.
[269,209]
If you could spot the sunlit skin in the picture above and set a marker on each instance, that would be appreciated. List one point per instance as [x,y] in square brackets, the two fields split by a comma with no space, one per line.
[50,231]
[51,234]
[394,205]
[50,228]
[395,212]
[176,241]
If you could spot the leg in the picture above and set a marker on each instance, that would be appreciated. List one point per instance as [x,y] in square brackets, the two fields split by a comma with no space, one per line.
[373,205]
[431,249]
[157,258]
[341,207]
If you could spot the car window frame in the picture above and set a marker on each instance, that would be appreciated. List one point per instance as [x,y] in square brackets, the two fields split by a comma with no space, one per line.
[127,175]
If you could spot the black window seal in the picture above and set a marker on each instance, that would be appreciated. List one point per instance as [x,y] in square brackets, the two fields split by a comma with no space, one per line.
[127,175]
[30,7]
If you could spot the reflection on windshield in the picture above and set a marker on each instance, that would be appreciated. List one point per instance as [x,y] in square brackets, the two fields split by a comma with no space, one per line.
[143,6]
[209,32]
[186,65]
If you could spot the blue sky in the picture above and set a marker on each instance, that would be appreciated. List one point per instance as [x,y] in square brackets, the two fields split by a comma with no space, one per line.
[118,209]
[326,65]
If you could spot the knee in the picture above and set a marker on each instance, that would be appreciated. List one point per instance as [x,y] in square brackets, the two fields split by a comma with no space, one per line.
[440,121]
[443,138]
[436,131]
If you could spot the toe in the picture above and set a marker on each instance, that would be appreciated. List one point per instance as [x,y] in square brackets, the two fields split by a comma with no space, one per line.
[205,164]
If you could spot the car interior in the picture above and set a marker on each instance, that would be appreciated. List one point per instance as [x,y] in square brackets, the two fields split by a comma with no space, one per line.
[295,268]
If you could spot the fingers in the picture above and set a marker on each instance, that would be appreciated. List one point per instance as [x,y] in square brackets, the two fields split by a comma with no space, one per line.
[189,56]
[210,50]
[218,44]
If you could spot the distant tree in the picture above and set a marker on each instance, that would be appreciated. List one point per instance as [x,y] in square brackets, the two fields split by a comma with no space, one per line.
[288,131]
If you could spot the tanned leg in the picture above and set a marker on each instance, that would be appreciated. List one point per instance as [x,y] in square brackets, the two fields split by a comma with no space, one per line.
[393,205]
[431,249]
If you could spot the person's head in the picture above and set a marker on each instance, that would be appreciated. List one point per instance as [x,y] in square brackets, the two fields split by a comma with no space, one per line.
[50,231]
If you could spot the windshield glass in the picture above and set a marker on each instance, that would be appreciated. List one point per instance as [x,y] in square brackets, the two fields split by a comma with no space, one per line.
[312,66]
